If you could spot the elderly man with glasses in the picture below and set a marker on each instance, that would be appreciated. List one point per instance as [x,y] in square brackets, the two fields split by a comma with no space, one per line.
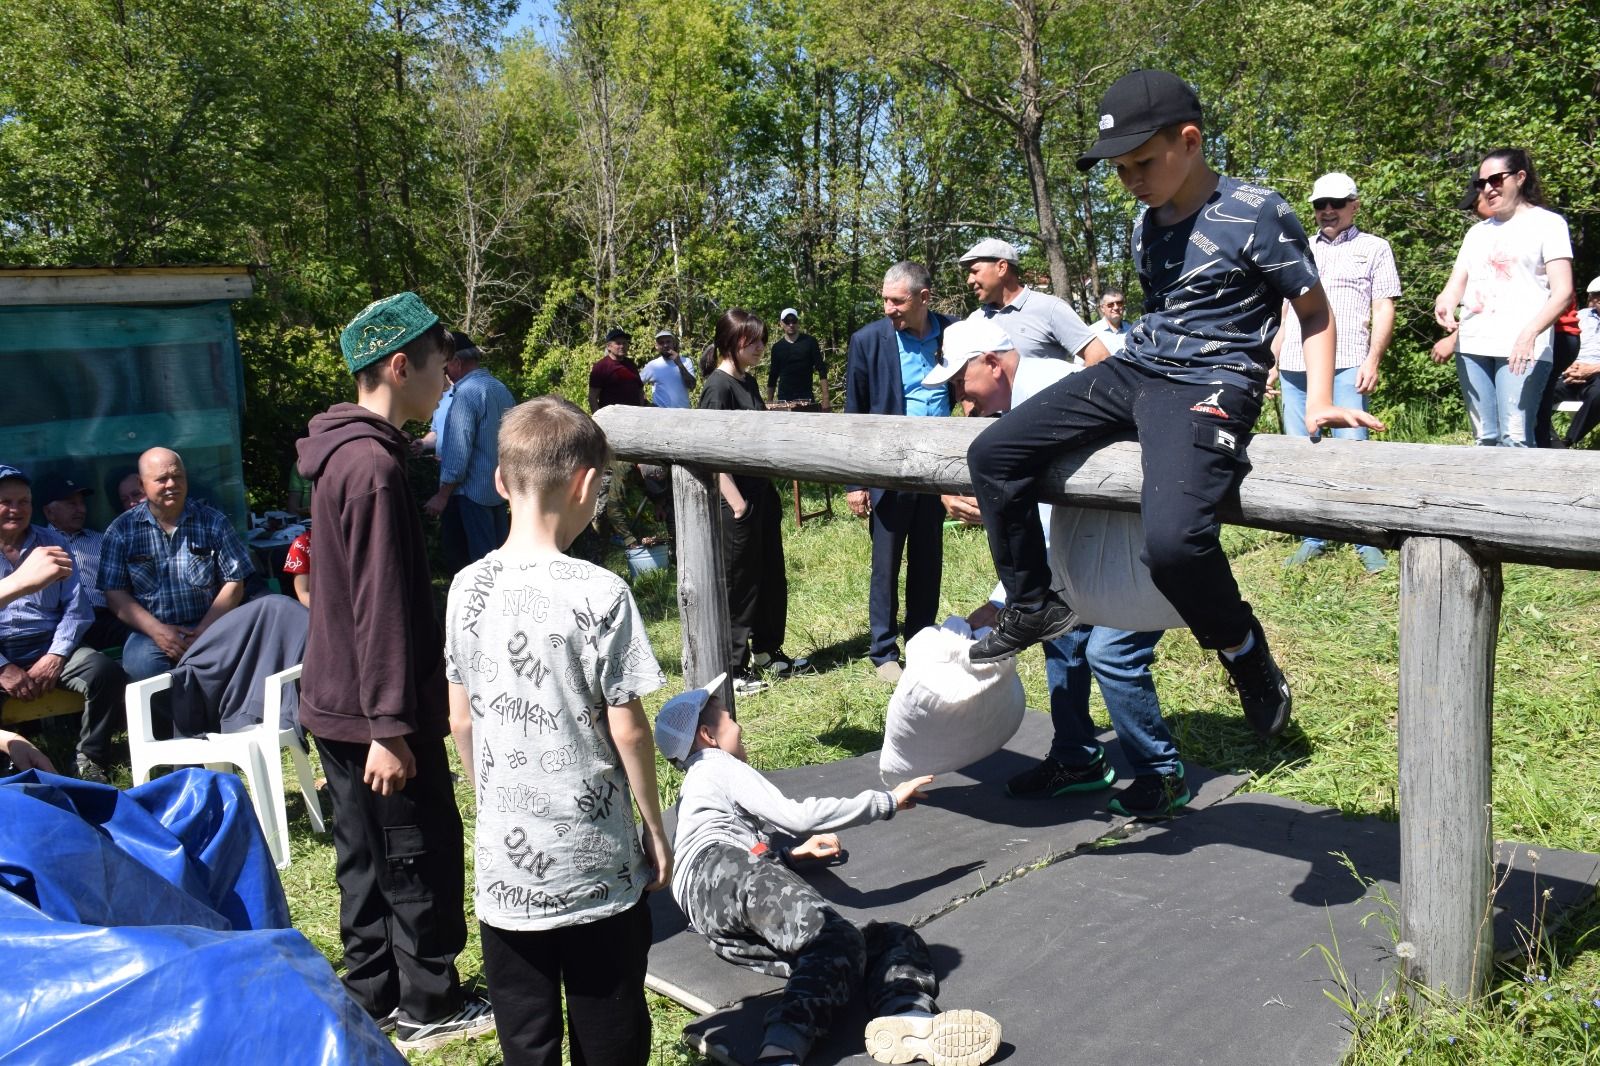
[1358,274]
[1112,328]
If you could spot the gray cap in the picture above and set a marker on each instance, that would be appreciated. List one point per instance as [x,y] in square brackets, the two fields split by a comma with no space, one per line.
[991,248]
[667,333]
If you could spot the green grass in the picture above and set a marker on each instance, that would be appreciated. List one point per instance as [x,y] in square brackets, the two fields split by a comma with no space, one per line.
[1333,627]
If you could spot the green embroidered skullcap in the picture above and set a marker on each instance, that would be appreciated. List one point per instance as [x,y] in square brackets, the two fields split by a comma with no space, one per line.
[384,327]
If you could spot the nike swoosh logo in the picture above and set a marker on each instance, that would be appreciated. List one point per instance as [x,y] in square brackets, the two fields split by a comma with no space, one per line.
[1174,266]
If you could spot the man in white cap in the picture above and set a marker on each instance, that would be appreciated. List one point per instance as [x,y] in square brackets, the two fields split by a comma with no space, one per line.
[1581,380]
[988,377]
[669,375]
[1039,324]
[1358,274]
[796,357]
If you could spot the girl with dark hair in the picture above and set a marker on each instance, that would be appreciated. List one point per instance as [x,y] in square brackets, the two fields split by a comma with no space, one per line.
[752,515]
[1512,280]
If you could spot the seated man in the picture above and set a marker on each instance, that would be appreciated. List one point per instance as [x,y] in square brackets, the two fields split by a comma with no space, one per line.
[41,633]
[169,567]
[1581,380]
[732,876]
[63,501]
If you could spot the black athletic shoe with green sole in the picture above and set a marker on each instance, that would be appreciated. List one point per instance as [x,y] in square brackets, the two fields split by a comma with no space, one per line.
[1050,778]
[1152,796]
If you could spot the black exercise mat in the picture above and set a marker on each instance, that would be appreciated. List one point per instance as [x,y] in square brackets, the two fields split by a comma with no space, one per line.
[968,835]
[1194,943]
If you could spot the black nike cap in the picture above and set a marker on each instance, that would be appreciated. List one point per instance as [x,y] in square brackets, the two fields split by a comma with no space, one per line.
[1137,106]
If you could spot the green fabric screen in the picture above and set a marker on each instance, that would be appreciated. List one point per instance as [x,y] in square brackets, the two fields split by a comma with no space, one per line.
[87,388]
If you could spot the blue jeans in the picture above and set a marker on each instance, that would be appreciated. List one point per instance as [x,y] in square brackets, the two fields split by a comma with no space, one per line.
[1121,661]
[468,530]
[1502,406]
[141,658]
[1293,384]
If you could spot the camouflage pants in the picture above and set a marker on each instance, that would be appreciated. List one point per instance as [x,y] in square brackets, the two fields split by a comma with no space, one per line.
[610,513]
[757,913]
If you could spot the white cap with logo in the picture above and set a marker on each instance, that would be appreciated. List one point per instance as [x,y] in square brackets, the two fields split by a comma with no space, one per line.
[1334,186]
[963,340]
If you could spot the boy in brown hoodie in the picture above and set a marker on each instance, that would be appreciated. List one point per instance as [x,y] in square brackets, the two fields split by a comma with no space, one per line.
[373,689]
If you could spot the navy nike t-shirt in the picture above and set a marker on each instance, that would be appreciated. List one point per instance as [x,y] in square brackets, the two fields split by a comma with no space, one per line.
[1215,284]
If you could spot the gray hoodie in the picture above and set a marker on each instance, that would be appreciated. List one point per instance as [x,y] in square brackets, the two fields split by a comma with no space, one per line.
[725,800]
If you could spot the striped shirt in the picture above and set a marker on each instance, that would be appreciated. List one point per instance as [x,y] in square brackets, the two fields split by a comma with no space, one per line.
[1357,268]
[85,545]
[470,448]
[51,621]
[175,577]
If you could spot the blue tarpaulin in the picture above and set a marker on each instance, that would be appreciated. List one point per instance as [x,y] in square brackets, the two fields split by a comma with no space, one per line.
[150,926]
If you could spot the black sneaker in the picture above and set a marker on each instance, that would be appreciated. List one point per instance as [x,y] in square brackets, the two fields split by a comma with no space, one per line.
[89,770]
[387,1023]
[1051,778]
[1017,629]
[1263,690]
[1152,796]
[474,1018]
[779,664]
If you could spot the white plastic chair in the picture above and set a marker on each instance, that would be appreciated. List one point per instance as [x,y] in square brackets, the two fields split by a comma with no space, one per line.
[255,751]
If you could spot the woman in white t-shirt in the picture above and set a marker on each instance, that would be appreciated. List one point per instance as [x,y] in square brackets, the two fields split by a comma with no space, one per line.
[1512,280]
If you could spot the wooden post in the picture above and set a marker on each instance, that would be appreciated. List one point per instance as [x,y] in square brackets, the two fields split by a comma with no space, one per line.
[702,581]
[1449,615]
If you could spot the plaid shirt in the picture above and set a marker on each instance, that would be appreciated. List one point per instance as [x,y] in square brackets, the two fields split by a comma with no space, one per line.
[1357,268]
[85,545]
[50,621]
[175,577]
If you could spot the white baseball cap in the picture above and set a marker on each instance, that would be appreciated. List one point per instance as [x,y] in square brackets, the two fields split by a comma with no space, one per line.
[991,248]
[679,719]
[963,340]
[1334,186]
[665,333]
[787,312]
[1594,286]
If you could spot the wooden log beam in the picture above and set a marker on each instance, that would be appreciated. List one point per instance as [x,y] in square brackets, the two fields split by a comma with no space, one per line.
[702,581]
[1449,614]
[1510,504]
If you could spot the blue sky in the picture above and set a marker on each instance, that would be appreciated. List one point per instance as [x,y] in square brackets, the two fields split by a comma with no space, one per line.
[528,13]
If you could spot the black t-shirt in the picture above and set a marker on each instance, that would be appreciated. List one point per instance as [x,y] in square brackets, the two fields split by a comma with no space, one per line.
[724,392]
[793,365]
[1215,284]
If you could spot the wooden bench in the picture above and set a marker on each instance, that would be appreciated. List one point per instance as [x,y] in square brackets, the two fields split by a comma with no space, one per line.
[57,701]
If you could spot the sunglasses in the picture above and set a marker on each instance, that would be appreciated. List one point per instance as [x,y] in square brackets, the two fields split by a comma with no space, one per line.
[1325,203]
[1493,181]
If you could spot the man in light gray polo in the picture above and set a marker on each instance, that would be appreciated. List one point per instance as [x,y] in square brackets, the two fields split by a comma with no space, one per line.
[1039,324]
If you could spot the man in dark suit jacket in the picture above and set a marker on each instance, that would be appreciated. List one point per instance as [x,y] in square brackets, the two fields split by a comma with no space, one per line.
[886,364]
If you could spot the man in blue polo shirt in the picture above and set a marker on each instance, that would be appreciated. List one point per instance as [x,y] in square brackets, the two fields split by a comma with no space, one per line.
[169,567]
[886,364]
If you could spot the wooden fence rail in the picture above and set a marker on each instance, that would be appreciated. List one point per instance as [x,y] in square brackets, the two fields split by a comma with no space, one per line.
[1456,514]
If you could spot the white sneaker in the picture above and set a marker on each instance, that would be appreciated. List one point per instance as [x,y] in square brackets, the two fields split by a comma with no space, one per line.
[954,1038]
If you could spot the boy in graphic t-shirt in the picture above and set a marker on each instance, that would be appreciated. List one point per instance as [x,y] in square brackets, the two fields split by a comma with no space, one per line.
[547,658]
[1217,257]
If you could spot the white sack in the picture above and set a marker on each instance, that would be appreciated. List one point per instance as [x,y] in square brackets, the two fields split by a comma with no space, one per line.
[947,712]
[1094,555]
